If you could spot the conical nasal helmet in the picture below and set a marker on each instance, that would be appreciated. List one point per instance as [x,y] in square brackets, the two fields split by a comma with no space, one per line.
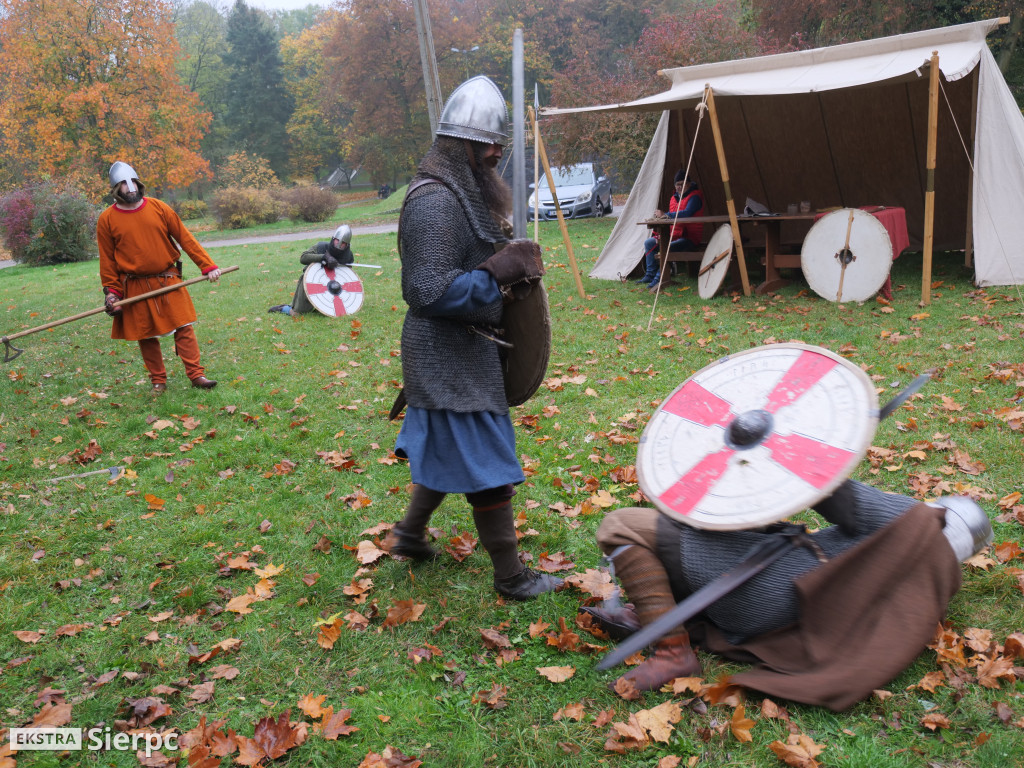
[343,234]
[475,111]
[121,171]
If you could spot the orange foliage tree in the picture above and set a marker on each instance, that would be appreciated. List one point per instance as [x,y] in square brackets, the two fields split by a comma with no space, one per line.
[87,82]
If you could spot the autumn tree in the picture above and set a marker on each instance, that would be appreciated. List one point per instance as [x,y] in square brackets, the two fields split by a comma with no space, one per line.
[86,82]
[707,34]
[372,65]
[257,104]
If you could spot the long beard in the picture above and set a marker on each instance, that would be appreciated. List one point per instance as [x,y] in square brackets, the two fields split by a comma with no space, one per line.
[496,193]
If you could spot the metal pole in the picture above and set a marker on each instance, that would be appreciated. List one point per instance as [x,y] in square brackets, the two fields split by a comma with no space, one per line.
[536,166]
[431,83]
[518,140]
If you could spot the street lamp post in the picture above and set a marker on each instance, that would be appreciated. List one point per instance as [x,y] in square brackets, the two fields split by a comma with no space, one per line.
[465,62]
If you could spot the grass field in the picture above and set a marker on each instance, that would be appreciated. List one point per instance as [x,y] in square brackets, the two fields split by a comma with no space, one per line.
[229,575]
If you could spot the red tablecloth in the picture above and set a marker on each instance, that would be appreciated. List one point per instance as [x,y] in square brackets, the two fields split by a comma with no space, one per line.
[895,222]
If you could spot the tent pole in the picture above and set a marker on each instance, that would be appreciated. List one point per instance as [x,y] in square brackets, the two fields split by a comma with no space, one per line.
[929,189]
[733,223]
[561,219]
[969,240]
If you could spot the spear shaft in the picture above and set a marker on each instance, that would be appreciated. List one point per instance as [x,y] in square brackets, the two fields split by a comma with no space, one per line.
[81,315]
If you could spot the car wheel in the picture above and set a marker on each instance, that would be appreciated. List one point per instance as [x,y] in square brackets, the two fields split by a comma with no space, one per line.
[610,205]
[598,208]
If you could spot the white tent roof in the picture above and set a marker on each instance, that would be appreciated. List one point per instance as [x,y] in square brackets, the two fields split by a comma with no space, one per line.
[832,114]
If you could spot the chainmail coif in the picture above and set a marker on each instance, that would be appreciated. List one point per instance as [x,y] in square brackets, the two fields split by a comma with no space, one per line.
[446,230]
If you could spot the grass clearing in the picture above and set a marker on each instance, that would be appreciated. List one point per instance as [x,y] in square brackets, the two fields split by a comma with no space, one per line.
[128,583]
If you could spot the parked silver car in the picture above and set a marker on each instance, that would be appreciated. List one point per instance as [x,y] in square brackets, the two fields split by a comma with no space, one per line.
[582,191]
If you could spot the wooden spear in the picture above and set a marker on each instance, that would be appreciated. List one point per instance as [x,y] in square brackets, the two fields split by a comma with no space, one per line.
[11,352]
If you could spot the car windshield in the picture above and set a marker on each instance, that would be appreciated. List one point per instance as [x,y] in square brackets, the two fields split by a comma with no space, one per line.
[570,176]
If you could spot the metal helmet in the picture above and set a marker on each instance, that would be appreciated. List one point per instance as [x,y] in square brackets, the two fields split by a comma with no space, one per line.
[121,171]
[475,111]
[967,529]
[343,233]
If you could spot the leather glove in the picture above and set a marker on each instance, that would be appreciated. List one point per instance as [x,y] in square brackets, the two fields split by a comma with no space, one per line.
[329,262]
[518,262]
[108,305]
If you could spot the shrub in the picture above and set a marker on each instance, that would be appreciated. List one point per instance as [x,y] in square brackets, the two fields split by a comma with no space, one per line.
[244,170]
[236,208]
[191,209]
[48,224]
[310,204]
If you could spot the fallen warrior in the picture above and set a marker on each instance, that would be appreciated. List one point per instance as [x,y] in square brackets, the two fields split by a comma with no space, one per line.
[837,617]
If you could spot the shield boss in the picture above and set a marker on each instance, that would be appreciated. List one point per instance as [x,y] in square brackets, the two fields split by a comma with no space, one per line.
[757,436]
[333,292]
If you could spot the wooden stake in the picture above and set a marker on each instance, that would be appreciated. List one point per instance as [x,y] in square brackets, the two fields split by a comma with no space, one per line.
[929,188]
[561,219]
[733,223]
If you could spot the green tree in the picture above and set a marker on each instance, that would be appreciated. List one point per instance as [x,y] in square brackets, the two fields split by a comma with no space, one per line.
[257,103]
[317,124]
[201,29]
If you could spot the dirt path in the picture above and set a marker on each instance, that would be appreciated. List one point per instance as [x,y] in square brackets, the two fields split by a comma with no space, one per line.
[288,237]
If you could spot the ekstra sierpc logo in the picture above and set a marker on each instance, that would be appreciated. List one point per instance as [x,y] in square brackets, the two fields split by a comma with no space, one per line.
[68,739]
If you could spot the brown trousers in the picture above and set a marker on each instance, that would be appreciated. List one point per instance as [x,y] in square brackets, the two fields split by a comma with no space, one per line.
[186,346]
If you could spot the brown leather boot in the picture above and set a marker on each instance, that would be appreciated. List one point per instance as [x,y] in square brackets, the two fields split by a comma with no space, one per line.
[409,536]
[673,657]
[617,623]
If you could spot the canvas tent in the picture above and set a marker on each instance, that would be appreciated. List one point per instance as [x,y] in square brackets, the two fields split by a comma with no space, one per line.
[846,126]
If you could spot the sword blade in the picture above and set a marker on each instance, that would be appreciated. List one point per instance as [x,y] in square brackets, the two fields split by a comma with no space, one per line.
[903,396]
[761,558]
[368,266]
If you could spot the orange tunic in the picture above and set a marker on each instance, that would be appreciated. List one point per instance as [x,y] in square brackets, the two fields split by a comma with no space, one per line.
[138,250]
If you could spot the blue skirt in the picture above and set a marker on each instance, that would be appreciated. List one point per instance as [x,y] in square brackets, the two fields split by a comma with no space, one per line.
[459,452]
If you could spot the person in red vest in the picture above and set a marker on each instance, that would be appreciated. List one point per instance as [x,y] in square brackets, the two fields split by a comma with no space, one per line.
[688,201]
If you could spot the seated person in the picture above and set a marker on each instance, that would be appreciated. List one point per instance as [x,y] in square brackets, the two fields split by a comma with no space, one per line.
[835,618]
[331,254]
[684,203]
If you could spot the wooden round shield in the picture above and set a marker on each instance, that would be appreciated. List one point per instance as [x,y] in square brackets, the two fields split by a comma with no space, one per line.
[846,255]
[333,292]
[757,436]
[715,263]
[527,327]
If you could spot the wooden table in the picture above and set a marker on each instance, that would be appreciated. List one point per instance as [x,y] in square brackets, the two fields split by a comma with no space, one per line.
[770,226]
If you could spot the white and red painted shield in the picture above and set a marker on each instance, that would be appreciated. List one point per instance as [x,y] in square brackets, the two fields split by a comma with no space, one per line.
[757,436]
[846,255]
[333,292]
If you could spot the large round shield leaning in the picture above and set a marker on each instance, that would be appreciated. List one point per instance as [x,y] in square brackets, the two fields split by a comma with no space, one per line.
[527,327]
[846,255]
[757,436]
[715,264]
[332,292]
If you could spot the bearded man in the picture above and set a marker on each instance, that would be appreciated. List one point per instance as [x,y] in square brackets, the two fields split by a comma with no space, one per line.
[458,271]
[138,240]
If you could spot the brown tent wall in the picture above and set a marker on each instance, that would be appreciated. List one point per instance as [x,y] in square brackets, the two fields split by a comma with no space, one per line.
[846,148]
